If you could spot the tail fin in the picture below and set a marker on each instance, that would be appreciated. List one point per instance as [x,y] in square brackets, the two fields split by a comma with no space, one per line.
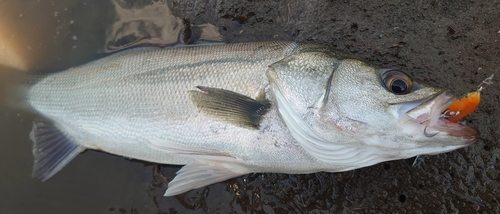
[52,149]
[14,86]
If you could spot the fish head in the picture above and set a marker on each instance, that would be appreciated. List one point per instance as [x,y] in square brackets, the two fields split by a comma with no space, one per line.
[376,114]
[390,102]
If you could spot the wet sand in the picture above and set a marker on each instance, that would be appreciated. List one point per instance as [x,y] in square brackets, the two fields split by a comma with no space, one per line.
[453,45]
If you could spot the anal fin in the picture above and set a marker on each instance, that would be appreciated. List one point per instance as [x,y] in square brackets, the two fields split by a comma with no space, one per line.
[229,106]
[52,149]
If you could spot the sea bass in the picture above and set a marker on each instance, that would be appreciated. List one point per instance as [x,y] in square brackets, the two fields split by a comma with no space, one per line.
[231,109]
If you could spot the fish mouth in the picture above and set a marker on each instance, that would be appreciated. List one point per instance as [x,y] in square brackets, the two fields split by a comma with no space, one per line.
[429,114]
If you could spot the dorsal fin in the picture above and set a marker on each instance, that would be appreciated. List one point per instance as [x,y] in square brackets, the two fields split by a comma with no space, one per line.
[229,106]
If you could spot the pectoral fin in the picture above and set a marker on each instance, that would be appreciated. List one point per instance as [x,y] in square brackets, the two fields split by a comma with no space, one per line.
[52,149]
[229,106]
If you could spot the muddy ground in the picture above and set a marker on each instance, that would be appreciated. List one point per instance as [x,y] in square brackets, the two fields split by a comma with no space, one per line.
[451,44]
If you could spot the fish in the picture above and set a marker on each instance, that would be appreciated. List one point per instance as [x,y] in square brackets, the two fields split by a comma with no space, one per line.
[225,110]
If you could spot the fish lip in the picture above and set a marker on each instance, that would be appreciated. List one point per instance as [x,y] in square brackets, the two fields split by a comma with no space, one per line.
[428,114]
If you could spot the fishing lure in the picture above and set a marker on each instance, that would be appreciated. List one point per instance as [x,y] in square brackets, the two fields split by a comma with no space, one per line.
[467,104]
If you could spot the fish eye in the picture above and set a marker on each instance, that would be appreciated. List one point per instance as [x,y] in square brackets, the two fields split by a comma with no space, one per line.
[396,81]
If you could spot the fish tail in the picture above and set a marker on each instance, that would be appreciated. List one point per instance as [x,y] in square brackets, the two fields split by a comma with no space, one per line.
[11,90]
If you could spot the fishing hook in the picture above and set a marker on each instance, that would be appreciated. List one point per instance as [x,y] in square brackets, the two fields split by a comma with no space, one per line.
[425,130]
[429,135]
[445,114]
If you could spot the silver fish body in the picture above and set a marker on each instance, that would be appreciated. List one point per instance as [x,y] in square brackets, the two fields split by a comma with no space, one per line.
[227,110]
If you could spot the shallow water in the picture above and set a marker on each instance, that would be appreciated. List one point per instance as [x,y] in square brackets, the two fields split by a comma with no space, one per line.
[450,44]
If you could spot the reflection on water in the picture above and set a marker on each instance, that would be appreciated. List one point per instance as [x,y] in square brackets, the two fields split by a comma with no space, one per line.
[52,35]
[45,36]
[153,24]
